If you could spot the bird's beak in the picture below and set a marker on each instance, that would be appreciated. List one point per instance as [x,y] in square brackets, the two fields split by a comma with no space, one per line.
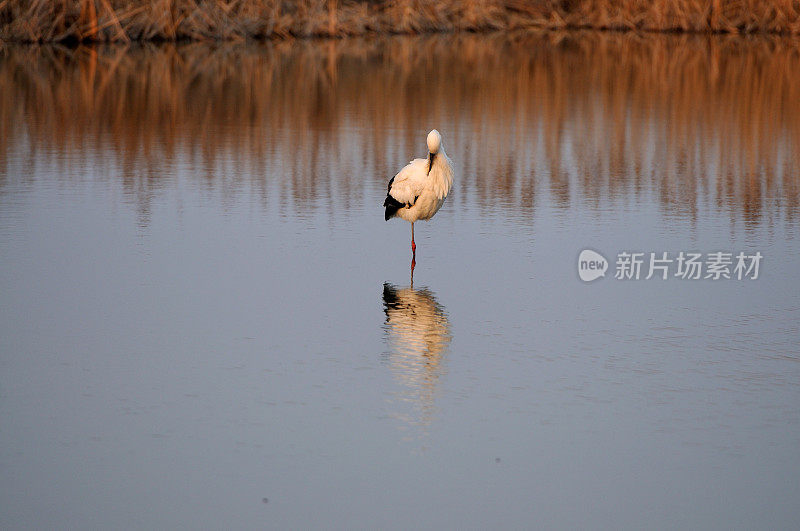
[431,156]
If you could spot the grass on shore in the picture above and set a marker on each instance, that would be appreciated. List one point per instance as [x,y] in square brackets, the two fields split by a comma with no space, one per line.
[126,20]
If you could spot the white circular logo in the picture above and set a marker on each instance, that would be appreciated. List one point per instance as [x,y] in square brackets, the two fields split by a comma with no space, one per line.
[591,265]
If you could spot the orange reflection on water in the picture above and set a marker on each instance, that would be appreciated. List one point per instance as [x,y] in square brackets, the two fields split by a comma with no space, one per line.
[589,117]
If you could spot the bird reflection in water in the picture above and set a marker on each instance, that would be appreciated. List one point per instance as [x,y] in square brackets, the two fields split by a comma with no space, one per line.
[418,333]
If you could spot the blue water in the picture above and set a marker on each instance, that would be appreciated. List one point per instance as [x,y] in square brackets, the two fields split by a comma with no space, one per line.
[227,343]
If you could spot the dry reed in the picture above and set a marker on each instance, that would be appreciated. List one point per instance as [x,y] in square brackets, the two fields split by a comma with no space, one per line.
[124,20]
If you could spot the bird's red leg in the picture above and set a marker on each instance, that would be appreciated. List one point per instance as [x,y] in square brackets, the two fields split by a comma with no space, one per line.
[413,253]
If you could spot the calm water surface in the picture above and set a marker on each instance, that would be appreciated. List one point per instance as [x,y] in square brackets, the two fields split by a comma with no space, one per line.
[206,323]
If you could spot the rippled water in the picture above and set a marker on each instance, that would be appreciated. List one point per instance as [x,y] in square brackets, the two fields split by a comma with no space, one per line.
[206,323]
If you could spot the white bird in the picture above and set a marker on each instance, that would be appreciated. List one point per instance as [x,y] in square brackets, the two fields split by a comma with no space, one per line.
[418,190]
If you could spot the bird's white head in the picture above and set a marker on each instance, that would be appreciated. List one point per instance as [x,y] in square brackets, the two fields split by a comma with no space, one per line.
[434,141]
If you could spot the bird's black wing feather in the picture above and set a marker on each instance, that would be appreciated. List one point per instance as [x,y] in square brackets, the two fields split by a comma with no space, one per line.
[392,205]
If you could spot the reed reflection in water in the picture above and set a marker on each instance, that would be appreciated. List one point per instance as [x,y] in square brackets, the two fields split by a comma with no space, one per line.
[701,122]
[418,333]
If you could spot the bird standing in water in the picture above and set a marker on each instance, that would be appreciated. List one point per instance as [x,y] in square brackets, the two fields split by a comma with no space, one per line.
[418,190]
